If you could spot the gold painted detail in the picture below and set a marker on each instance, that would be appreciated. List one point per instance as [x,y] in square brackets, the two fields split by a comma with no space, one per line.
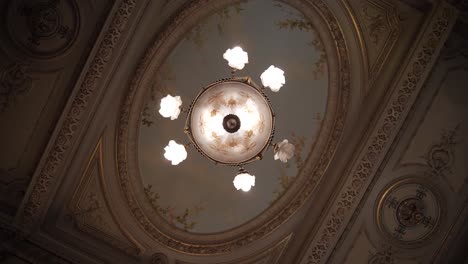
[90,208]
[35,204]
[299,144]
[284,181]
[219,100]
[301,23]
[158,90]
[381,21]
[197,36]
[376,23]
[270,255]
[387,127]
[169,213]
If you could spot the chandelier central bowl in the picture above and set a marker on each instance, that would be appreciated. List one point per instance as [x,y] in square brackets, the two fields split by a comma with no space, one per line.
[231,121]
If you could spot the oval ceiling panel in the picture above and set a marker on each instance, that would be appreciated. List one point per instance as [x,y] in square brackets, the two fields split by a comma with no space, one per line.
[195,201]
[197,195]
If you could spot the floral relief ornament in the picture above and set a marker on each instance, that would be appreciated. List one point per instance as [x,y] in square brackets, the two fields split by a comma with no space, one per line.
[284,151]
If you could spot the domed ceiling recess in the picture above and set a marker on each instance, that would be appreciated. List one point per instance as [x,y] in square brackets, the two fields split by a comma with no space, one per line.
[195,202]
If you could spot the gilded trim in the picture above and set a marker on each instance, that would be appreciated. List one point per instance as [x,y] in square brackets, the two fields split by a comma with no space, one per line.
[96,156]
[34,206]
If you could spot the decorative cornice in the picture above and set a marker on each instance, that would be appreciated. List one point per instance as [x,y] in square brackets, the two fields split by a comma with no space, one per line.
[33,208]
[296,199]
[269,255]
[407,88]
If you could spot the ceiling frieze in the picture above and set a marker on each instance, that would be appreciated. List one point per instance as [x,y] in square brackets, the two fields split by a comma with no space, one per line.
[270,255]
[34,206]
[362,171]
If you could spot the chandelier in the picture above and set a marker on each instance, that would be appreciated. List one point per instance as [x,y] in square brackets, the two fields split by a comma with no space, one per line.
[231,121]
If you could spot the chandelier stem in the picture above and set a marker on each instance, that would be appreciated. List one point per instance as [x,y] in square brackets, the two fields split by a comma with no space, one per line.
[233,72]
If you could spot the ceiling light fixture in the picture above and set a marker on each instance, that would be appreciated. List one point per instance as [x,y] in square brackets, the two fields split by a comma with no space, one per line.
[231,121]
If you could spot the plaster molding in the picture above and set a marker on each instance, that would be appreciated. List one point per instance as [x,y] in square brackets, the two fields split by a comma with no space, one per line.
[15,80]
[43,29]
[363,170]
[91,208]
[382,26]
[34,205]
[270,255]
[259,227]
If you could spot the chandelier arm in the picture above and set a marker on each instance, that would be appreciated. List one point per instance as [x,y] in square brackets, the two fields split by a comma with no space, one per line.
[233,72]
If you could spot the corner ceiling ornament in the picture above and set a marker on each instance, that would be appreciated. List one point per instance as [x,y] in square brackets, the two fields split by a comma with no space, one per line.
[231,121]
[408,212]
[43,28]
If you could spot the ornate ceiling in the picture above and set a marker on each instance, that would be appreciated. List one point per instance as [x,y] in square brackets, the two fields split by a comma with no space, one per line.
[374,103]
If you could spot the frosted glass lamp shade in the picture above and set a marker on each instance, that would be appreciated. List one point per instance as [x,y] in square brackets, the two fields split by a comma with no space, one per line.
[236,57]
[244,181]
[175,153]
[170,107]
[231,122]
[284,151]
[273,78]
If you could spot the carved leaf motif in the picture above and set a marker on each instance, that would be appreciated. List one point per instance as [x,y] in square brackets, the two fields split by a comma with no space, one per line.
[15,80]
[183,220]
[440,156]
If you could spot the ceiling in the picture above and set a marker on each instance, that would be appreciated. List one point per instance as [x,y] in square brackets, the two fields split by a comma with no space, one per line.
[202,188]
[374,103]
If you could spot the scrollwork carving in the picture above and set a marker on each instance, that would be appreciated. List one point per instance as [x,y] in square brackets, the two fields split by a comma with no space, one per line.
[159,258]
[381,23]
[33,210]
[376,23]
[90,209]
[15,80]
[440,155]
[43,28]
[394,112]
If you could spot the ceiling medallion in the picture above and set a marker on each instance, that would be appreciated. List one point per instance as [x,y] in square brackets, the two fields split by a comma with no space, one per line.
[231,121]
[408,212]
[44,29]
